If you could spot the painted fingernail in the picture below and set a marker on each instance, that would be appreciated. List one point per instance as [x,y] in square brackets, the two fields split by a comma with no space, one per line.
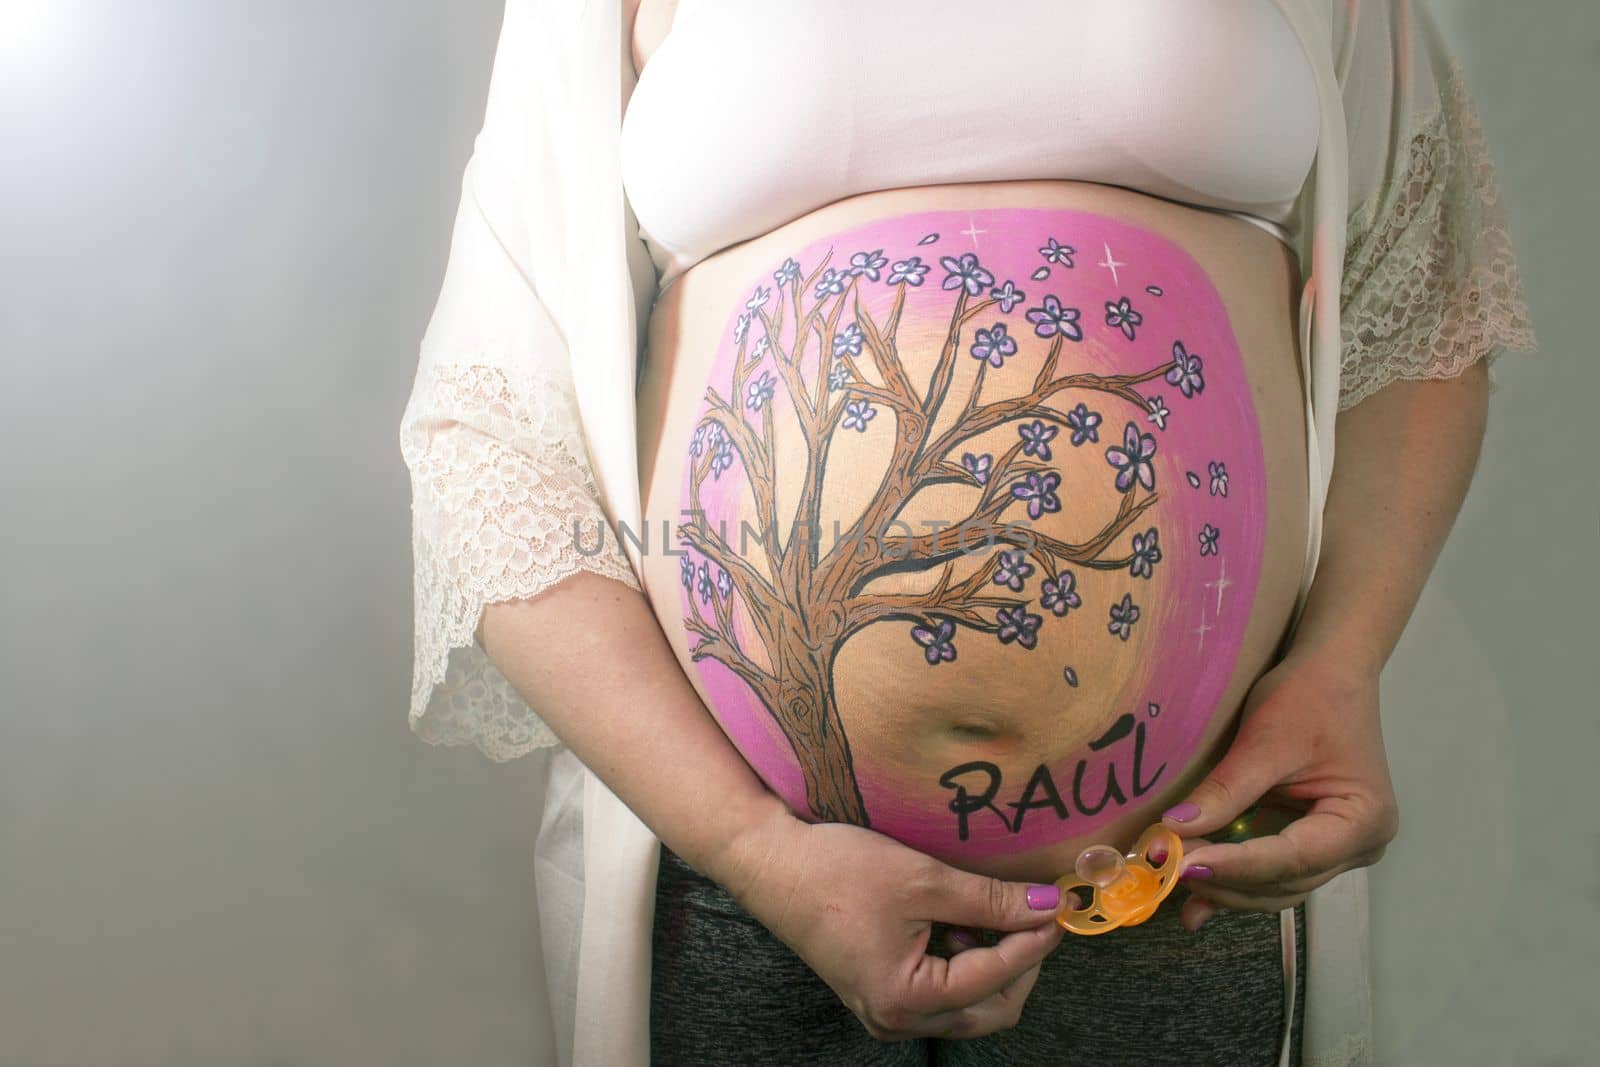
[1197,870]
[964,937]
[1044,897]
[1182,812]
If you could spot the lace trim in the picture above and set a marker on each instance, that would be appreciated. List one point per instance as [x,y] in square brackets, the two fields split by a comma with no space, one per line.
[500,482]
[1431,281]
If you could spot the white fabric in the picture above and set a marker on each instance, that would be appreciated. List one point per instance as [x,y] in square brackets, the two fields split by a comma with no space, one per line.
[750,115]
[523,414]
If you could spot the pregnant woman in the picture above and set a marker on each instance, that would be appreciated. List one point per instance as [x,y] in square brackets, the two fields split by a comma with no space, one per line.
[984,511]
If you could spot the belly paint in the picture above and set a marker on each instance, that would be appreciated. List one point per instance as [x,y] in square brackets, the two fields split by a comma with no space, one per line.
[1029,428]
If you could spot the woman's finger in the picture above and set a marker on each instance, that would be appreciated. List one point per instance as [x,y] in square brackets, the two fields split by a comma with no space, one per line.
[1311,849]
[960,938]
[1246,772]
[1203,875]
[1195,912]
[1235,900]
[975,975]
[962,898]
[999,1012]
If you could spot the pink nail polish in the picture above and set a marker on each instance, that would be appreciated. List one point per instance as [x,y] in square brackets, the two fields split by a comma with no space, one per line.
[1182,812]
[1198,871]
[1044,897]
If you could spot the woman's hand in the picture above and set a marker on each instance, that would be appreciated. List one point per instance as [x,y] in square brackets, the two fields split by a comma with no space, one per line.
[859,908]
[1310,740]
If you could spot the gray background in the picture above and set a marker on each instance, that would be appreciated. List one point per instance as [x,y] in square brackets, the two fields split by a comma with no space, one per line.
[223,226]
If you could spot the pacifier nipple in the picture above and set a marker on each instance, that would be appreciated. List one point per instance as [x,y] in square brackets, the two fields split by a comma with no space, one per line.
[1100,865]
[1122,890]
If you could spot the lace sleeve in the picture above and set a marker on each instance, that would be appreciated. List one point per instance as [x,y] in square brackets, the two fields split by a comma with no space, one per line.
[1430,277]
[504,502]
[503,507]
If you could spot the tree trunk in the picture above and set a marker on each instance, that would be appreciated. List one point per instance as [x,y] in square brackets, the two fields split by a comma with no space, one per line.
[809,716]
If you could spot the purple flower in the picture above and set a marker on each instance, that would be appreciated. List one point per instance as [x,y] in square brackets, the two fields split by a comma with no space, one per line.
[758,392]
[1009,296]
[740,326]
[724,583]
[722,458]
[909,271]
[1084,424]
[994,346]
[789,272]
[704,584]
[1059,595]
[1208,540]
[1036,437]
[759,349]
[686,571]
[1132,460]
[1039,490]
[1185,371]
[848,340]
[832,281]
[1019,625]
[1121,314]
[857,413]
[1052,319]
[1146,554]
[1158,412]
[838,376]
[758,299]
[868,263]
[967,273]
[1219,479]
[978,466]
[697,443]
[1013,570]
[936,644]
[1123,616]
[1056,252]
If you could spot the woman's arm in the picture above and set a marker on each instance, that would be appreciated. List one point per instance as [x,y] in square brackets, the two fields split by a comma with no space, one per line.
[1311,735]
[857,906]
[1430,295]
[1406,457]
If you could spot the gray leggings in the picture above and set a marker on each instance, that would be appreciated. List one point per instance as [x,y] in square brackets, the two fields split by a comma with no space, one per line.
[724,990]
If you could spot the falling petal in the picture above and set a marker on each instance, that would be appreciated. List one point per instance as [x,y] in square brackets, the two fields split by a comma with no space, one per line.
[928,240]
[1071,676]
[1041,274]
[1194,479]
[1153,290]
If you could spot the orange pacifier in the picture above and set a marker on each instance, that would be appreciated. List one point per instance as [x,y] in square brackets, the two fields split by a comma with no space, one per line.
[1121,890]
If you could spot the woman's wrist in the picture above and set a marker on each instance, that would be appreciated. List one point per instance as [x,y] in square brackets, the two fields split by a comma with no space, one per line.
[1349,648]
[746,842]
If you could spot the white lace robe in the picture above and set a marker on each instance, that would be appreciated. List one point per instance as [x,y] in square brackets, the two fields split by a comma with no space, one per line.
[520,422]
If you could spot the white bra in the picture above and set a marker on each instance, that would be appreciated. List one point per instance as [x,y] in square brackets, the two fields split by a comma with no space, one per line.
[751,113]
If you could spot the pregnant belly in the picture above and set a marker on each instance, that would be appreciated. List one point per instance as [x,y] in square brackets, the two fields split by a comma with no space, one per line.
[977,509]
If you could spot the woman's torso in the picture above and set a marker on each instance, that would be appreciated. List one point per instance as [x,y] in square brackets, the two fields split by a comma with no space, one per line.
[998,710]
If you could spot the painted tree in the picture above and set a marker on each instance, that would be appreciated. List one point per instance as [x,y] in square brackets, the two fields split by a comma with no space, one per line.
[804,600]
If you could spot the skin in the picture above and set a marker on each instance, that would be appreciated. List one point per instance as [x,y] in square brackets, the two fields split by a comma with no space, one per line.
[1001,710]
[858,906]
